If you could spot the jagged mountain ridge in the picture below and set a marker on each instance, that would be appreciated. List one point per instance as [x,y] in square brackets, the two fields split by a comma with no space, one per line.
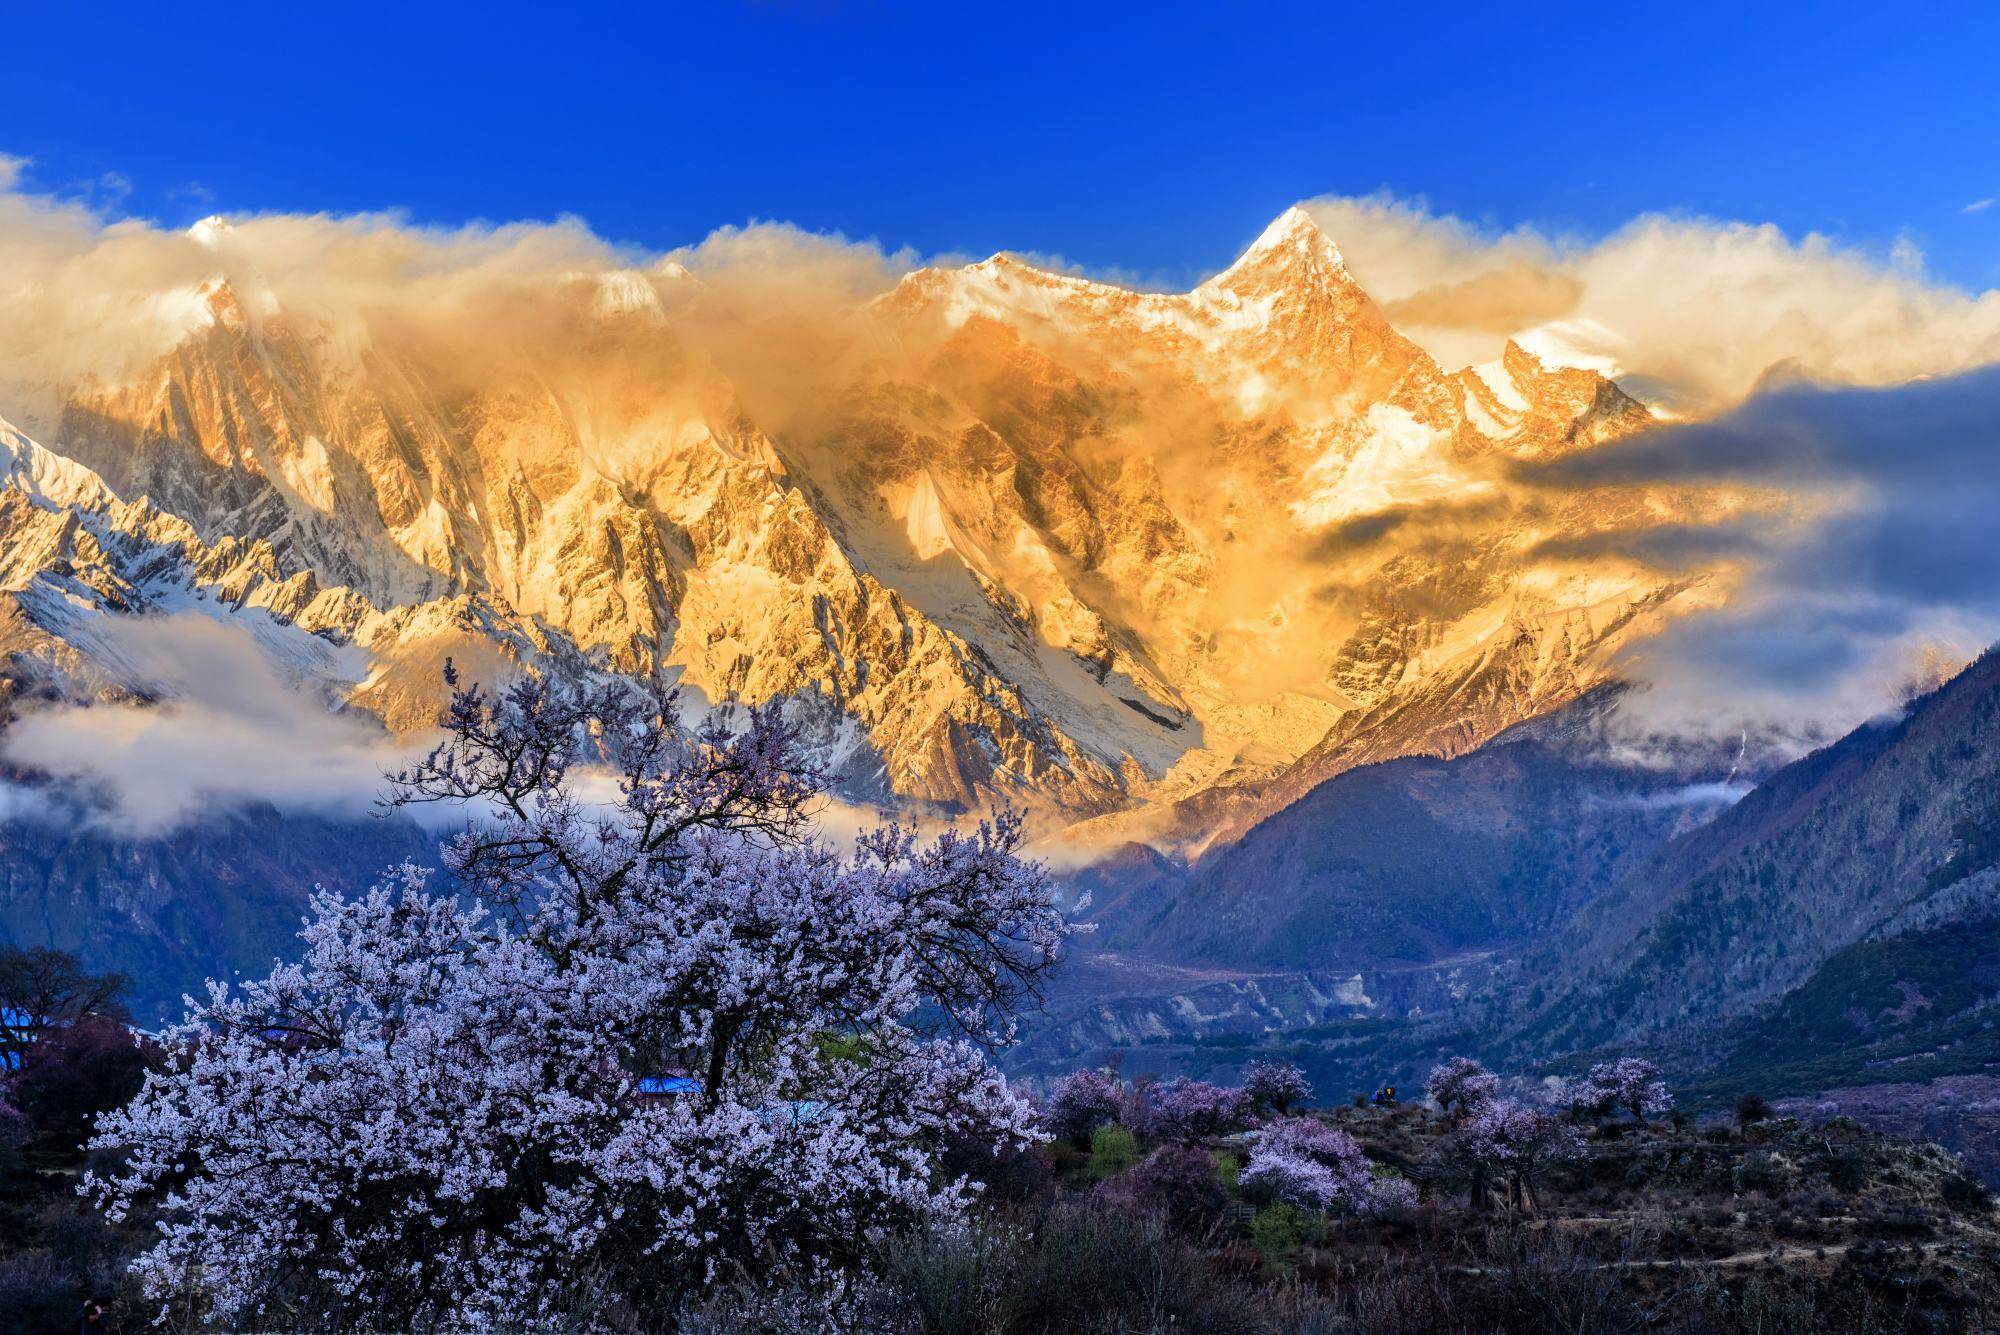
[1051,541]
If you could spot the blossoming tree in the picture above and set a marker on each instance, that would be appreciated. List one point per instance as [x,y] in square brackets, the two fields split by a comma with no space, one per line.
[1278,1086]
[1511,1142]
[1081,1102]
[1314,1166]
[435,1115]
[1184,1109]
[1630,1082]
[1461,1086]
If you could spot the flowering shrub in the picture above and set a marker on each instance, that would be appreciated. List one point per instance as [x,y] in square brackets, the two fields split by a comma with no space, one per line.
[1275,1086]
[1186,1109]
[1630,1082]
[1137,1099]
[433,1118]
[1461,1086]
[1314,1166]
[1081,1102]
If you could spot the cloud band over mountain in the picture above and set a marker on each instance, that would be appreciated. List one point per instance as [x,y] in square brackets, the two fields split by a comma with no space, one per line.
[1833,428]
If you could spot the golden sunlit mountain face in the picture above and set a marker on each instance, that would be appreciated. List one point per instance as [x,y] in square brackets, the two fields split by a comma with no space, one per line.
[1143,561]
[1006,534]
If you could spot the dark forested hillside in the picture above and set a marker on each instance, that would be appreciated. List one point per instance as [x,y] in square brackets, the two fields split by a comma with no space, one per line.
[200,903]
[1888,832]
[1415,859]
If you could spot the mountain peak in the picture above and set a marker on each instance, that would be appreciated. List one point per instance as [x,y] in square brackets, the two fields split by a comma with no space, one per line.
[1291,249]
[1292,237]
[211,231]
[1293,224]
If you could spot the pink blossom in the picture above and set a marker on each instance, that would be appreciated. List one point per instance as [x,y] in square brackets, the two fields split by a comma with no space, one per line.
[431,1115]
[1081,1102]
[1630,1082]
[1275,1085]
[1513,1142]
[1318,1167]
[1461,1086]
[1184,1109]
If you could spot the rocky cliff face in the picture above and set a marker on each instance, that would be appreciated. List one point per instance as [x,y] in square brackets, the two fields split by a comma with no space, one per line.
[1149,564]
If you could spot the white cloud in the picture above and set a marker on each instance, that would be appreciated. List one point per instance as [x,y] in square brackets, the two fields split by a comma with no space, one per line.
[1695,312]
[1881,575]
[1977,206]
[225,730]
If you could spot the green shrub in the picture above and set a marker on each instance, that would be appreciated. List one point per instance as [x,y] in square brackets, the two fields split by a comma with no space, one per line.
[1228,1167]
[1277,1228]
[1112,1150]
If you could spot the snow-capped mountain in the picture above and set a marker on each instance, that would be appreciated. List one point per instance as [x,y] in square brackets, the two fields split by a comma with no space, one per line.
[1147,563]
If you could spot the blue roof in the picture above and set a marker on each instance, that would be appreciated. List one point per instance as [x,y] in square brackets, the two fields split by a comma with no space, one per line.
[669,1084]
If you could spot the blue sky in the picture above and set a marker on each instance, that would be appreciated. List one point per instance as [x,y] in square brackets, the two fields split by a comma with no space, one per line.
[1154,139]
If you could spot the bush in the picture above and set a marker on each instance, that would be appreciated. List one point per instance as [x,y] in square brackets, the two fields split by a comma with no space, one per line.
[1277,1228]
[36,1295]
[1766,1171]
[14,1134]
[952,1280]
[1112,1150]
[1752,1108]
[1176,1182]
[1092,1268]
[1011,1174]
[1847,1170]
[769,1306]
[1966,1194]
